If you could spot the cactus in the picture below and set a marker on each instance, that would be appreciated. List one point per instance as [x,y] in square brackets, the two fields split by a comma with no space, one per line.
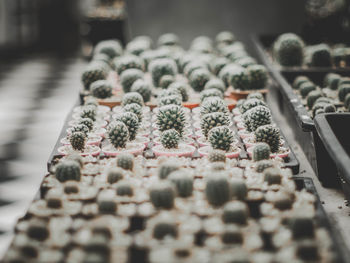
[217,190]
[306,87]
[288,50]
[101,58]
[256,95]
[211,93]
[127,62]
[124,188]
[251,103]
[180,87]
[215,83]
[192,66]
[258,77]
[78,140]
[125,161]
[38,230]
[170,100]
[239,189]
[343,90]
[217,64]
[77,158]
[227,72]
[168,39]
[312,97]
[320,55]
[199,78]
[256,117]
[132,97]
[88,111]
[167,168]
[272,175]
[300,80]
[262,165]
[225,37]
[118,134]
[160,67]
[323,106]
[170,139]
[128,77]
[240,79]
[302,227]
[214,119]
[217,166]
[217,156]
[162,195]
[131,121]
[221,138]
[80,128]
[347,101]
[261,151]
[269,134]
[331,80]
[165,229]
[171,117]
[183,183]
[213,104]
[134,108]
[101,89]
[165,81]
[87,122]
[107,206]
[246,61]
[142,87]
[67,170]
[114,175]
[235,212]
[111,48]
[93,72]
[138,46]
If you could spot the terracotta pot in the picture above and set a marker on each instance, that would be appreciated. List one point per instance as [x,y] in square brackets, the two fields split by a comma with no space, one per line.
[242,94]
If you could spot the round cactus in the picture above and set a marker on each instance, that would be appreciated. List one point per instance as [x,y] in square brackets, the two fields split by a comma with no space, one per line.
[225,37]
[162,195]
[213,104]
[343,90]
[211,93]
[217,64]
[165,229]
[251,103]
[258,77]
[127,62]
[246,61]
[312,97]
[88,111]
[331,80]
[288,50]
[228,71]
[261,151]
[235,212]
[272,175]
[118,134]
[124,188]
[199,78]
[107,206]
[137,47]
[101,58]
[171,117]
[192,66]
[80,128]
[132,97]
[221,138]
[114,175]
[78,140]
[125,161]
[111,48]
[320,56]
[302,227]
[300,80]
[101,89]
[142,87]
[170,139]
[87,122]
[255,95]
[217,190]
[181,87]
[269,134]
[215,83]
[131,121]
[167,168]
[239,79]
[217,156]
[160,67]
[239,189]
[165,81]
[256,117]
[170,100]
[214,119]
[183,183]
[134,108]
[128,77]
[168,39]
[262,165]
[38,230]
[93,72]
[306,87]
[67,170]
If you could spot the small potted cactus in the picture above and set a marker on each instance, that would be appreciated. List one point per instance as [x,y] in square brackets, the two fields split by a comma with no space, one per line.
[77,140]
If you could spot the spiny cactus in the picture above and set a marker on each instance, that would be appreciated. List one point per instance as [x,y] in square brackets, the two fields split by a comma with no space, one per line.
[183,183]
[262,165]
[319,55]
[134,108]
[138,46]
[343,90]
[67,170]
[331,80]
[165,228]
[258,76]
[299,80]
[78,140]
[255,95]
[80,128]
[171,117]
[124,188]
[214,119]
[87,122]
[302,227]
[101,58]
[225,37]
[228,71]
[142,87]
[246,61]
[160,67]
[131,121]
[257,116]
[107,206]
[112,48]
[261,151]
[167,168]
[125,161]
[170,100]
[77,158]
[235,212]
[165,81]
[101,89]
[211,93]
[215,83]
[239,189]
[88,111]
[221,138]
[168,39]
[239,79]
[199,78]
[94,71]
[312,97]
[217,156]
[269,134]
[38,230]
[306,87]
[181,87]
[288,50]
[118,134]
[251,103]
[217,64]
[114,175]
[132,97]
[272,175]
[162,195]
[217,190]
[128,77]
[192,66]
[127,62]
[213,104]
[170,139]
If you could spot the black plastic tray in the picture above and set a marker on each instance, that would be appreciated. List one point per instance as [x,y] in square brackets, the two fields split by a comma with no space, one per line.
[333,148]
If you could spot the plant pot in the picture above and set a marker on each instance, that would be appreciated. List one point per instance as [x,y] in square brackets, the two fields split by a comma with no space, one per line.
[92,140]
[242,94]
[185,140]
[190,104]
[183,150]
[204,151]
[133,148]
[89,150]
[231,103]
[282,153]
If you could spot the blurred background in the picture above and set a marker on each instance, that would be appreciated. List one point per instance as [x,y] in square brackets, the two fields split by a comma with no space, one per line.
[43,44]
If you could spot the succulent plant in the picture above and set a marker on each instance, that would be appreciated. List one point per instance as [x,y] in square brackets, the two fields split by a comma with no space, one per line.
[127,62]
[240,79]
[88,111]
[183,183]
[320,55]
[215,83]
[67,170]
[225,37]
[255,95]
[165,229]
[251,103]
[312,97]
[239,189]
[323,106]
[142,87]
[272,175]
[256,117]
[167,168]
[160,67]
[269,134]
[192,66]
[171,117]
[262,165]
[137,47]
[38,230]
[214,119]
[170,139]
[134,108]
[78,140]
[93,72]
[125,161]
[261,151]
[211,93]
[124,188]
[170,100]
[343,90]
[101,89]
[302,227]
[131,121]
[221,138]
[132,97]
[347,101]
[246,61]
[258,77]
[217,156]
[228,71]
[213,104]
[80,128]
[162,195]
[217,64]
[165,81]
[168,39]
[331,80]
[87,122]
[300,80]
[128,77]
[288,50]
[235,212]
[306,87]
[107,206]
[118,134]
[112,48]
[217,190]
[199,78]
[90,101]
[114,175]
[101,58]
[181,87]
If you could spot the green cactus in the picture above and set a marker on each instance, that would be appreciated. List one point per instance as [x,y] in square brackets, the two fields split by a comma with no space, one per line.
[239,189]
[227,72]
[199,78]
[78,140]
[131,121]
[331,80]
[170,139]
[165,81]
[168,39]
[213,104]
[162,195]
[215,83]
[138,46]
[167,168]
[210,93]
[170,100]
[343,90]
[218,64]
[124,188]
[300,80]
[180,87]
[93,72]
[251,103]
[217,190]
[165,229]
[256,95]
[101,89]
[221,138]
[38,230]
[302,227]
[88,111]
[288,50]
[272,175]
[235,213]
[262,165]
[246,61]
[269,134]
[118,134]
[102,58]
[240,104]
[112,48]
[240,79]
[171,117]
[160,67]
[67,170]
[217,156]
[77,158]
[258,77]
[114,175]
[87,122]
[192,66]
[320,55]
[225,37]
[128,77]
[142,87]
[107,206]
[261,151]
[347,101]
[132,97]
[306,87]
[125,62]
[256,117]
[214,119]
[183,183]
[312,97]
[80,128]
[125,161]
[134,108]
